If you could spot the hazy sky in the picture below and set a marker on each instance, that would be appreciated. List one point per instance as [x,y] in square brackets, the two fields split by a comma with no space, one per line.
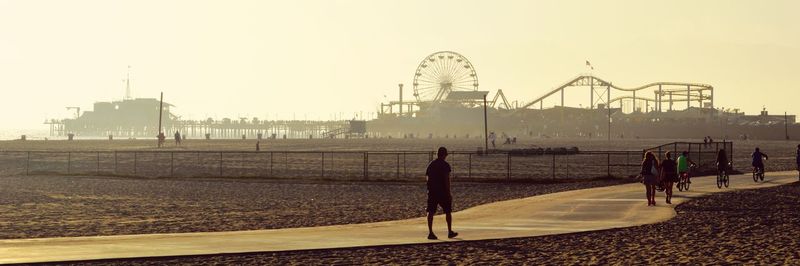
[316,58]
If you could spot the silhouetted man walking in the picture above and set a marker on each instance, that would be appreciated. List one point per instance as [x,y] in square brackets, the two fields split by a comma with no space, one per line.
[438,173]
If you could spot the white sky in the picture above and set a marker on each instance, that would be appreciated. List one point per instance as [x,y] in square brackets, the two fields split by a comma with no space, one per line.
[316,58]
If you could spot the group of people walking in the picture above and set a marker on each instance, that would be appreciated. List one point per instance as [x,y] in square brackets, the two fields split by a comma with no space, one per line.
[664,174]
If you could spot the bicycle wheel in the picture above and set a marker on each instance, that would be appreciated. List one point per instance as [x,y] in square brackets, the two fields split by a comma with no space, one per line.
[755,176]
[686,184]
[727,181]
[719,180]
[761,176]
[680,184]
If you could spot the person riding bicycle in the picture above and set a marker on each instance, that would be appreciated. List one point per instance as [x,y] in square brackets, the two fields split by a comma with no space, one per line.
[758,160]
[683,165]
[722,161]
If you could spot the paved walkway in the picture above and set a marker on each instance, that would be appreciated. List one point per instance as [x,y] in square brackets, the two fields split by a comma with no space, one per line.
[564,212]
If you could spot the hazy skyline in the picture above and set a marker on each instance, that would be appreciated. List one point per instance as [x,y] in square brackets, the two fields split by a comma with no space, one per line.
[316,58]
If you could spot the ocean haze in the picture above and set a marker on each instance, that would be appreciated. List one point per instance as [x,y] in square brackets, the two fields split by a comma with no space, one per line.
[313,59]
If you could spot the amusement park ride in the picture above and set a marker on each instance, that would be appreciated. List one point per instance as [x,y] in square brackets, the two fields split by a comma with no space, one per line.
[447,96]
[447,101]
[442,73]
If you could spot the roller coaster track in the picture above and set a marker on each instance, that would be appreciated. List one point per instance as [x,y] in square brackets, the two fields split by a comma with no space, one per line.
[658,88]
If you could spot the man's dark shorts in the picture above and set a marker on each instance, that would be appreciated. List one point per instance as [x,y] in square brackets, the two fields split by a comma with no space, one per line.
[439,199]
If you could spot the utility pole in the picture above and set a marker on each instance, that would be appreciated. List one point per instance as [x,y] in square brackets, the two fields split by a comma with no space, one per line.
[160,112]
[128,85]
[485,126]
[608,106]
[786,124]
[401,99]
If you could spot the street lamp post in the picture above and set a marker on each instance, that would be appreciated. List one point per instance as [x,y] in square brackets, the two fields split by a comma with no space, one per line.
[485,126]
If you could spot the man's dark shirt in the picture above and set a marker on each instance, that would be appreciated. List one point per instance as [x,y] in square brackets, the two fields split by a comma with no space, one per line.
[758,157]
[438,172]
[669,167]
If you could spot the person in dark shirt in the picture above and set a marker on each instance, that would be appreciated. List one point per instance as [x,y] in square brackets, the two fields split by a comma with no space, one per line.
[722,161]
[438,174]
[669,175]
[758,160]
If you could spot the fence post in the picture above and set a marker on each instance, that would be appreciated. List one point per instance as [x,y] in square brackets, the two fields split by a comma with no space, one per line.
[689,152]
[508,165]
[659,152]
[27,164]
[243,164]
[554,166]
[171,163]
[135,161]
[398,166]
[730,154]
[220,163]
[69,162]
[115,162]
[98,164]
[405,166]
[469,166]
[271,162]
[366,163]
[700,154]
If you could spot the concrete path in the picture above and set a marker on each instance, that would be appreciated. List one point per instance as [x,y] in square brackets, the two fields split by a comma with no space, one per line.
[564,212]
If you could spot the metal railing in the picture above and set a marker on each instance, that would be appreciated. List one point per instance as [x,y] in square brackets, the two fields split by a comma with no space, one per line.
[702,154]
[337,165]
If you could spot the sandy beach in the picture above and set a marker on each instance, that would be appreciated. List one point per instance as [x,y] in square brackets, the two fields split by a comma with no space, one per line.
[739,227]
[55,206]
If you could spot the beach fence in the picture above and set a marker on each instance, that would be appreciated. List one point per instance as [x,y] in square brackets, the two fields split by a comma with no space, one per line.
[334,165]
[702,154]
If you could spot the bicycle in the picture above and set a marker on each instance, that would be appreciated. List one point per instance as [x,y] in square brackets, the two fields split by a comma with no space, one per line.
[758,173]
[683,180]
[723,179]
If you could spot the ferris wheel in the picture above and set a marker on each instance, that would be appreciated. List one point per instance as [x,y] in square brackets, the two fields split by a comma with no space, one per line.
[441,73]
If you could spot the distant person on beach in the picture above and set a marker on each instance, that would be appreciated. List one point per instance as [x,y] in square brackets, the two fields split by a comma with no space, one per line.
[177,138]
[258,145]
[669,175]
[649,175]
[438,175]
[492,138]
[161,139]
[683,165]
